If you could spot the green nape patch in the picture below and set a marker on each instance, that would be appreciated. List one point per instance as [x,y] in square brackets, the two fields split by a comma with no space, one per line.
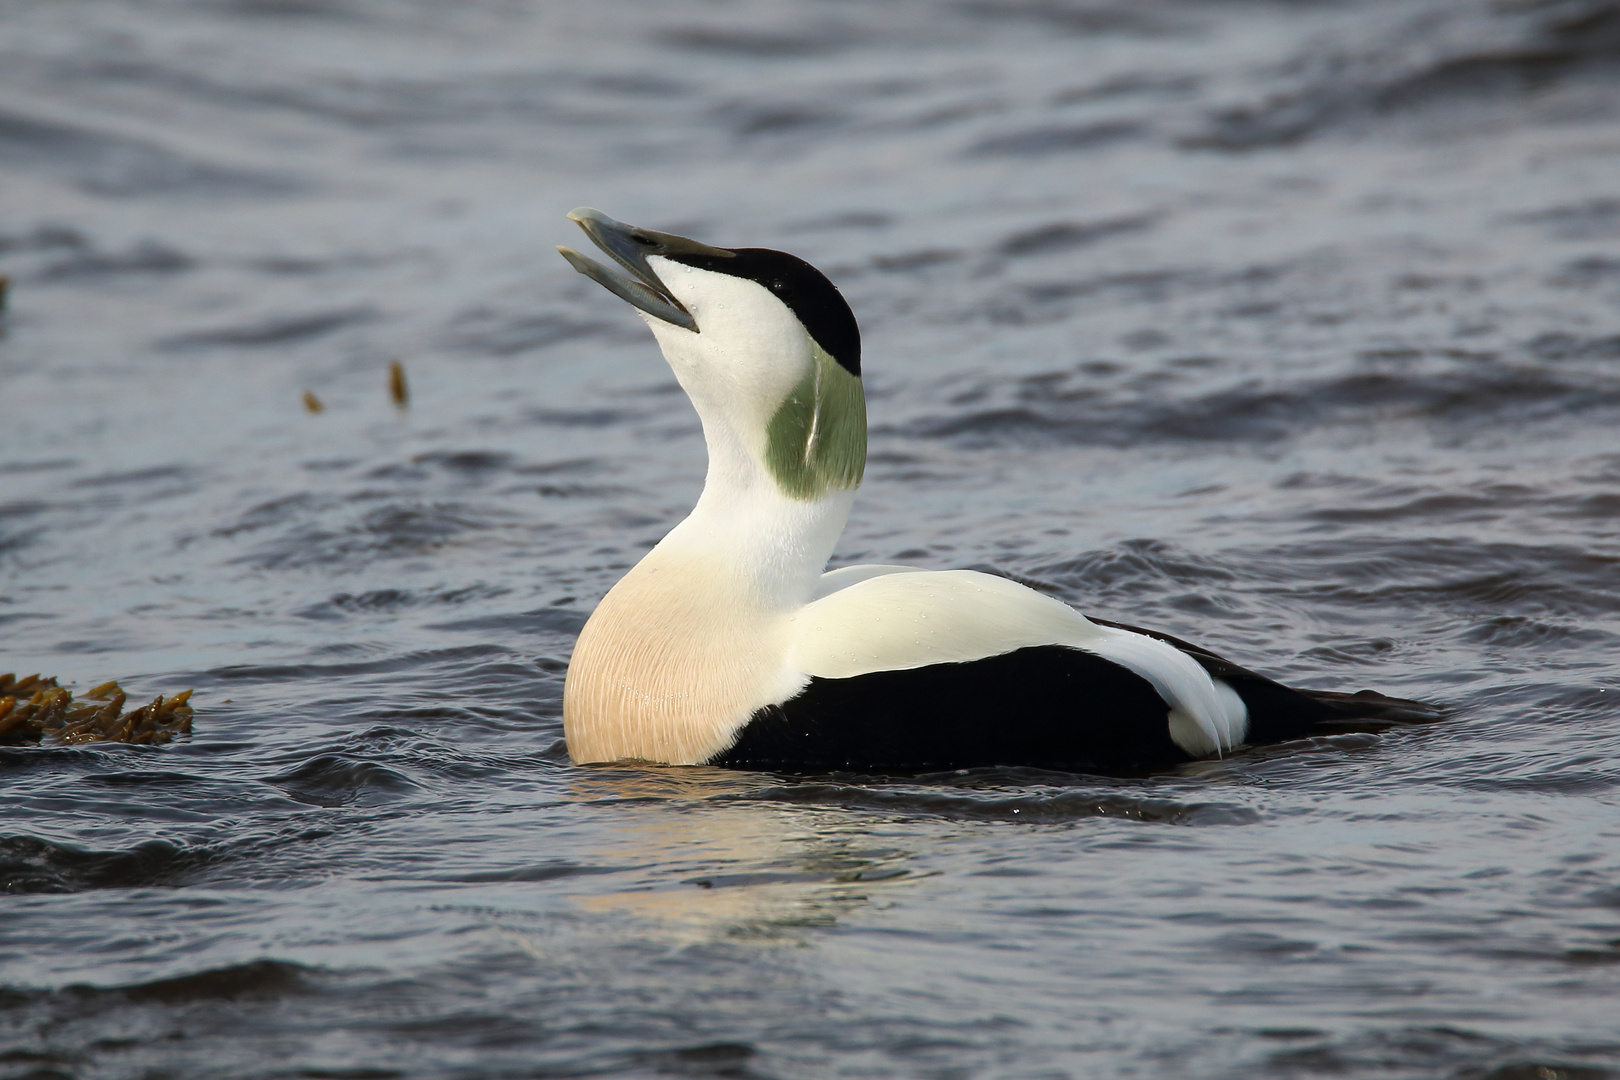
[817,439]
[34,710]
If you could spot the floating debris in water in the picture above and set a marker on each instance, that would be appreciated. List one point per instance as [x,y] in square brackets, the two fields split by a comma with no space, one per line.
[313,403]
[5,292]
[396,384]
[35,709]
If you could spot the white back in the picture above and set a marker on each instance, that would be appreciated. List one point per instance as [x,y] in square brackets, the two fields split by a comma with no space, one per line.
[894,618]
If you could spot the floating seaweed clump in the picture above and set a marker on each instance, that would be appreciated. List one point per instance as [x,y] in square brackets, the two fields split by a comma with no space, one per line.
[35,709]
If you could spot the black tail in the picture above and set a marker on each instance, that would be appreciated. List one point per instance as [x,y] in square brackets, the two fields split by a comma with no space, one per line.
[1371,705]
[1278,712]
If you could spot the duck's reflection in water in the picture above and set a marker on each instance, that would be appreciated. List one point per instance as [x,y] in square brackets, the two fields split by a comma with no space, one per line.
[708,855]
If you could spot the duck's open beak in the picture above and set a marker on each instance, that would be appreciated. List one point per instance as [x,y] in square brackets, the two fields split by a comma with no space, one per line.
[629,246]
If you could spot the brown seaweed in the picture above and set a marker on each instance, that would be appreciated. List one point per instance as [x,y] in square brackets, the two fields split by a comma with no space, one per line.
[397,389]
[34,709]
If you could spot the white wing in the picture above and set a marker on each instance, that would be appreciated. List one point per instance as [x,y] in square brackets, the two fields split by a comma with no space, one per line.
[845,576]
[893,618]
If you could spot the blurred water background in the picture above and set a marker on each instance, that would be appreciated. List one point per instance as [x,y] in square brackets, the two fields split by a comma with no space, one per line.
[1292,328]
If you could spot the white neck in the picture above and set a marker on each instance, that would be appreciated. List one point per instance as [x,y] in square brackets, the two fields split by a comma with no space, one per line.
[776,547]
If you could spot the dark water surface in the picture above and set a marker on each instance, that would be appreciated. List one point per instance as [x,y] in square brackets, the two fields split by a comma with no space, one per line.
[1290,328]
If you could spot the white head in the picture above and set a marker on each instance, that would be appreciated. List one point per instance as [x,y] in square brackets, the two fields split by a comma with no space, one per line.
[761,342]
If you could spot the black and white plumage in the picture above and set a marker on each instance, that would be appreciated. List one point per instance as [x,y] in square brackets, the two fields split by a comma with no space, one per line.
[727,644]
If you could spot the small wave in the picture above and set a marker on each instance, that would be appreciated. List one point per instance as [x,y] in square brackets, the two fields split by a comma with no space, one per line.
[851,219]
[747,120]
[1563,778]
[254,979]
[585,418]
[1513,54]
[1259,944]
[502,333]
[1565,346]
[1586,220]
[1051,409]
[1056,139]
[258,978]
[44,238]
[118,165]
[1524,632]
[585,491]
[457,657]
[1070,17]
[15,536]
[991,805]
[1604,506]
[343,604]
[145,258]
[1064,235]
[339,780]
[1481,505]
[1134,285]
[546,620]
[1454,574]
[552,870]
[467,461]
[1456,1051]
[732,41]
[396,530]
[405,702]
[906,261]
[276,331]
[716,1059]
[1145,565]
[24,508]
[137,476]
[1590,270]
[288,9]
[1134,85]
[31,865]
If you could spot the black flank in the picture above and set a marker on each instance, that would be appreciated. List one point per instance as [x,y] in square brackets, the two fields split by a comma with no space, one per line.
[1048,706]
[804,289]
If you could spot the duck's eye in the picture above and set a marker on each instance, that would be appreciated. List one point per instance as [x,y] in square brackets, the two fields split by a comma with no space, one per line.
[778,285]
[644,241]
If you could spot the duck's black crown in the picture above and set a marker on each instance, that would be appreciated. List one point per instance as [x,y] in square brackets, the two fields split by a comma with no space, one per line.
[804,289]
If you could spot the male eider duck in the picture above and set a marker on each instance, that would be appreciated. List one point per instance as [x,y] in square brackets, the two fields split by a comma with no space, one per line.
[728,645]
